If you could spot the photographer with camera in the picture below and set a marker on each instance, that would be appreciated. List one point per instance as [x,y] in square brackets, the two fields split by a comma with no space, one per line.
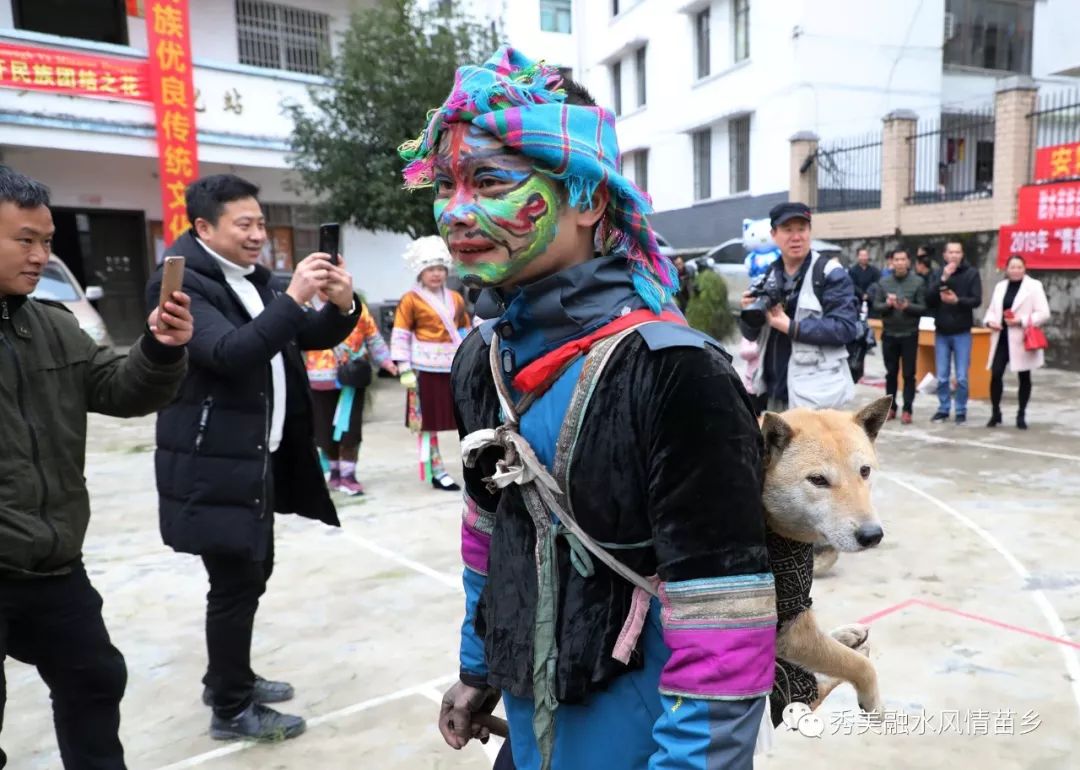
[802,313]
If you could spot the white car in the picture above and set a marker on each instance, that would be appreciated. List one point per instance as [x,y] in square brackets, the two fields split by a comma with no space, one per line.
[59,285]
[729,261]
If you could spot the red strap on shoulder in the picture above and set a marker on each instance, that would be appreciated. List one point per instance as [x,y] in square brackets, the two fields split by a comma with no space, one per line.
[537,373]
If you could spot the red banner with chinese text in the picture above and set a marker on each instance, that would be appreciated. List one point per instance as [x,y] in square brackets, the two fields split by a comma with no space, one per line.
[60,72]
[168,34]
[1059,162]
[1041,205]
[1044,247]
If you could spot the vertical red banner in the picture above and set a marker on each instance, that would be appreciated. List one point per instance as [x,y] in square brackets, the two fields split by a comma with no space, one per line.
[168,34]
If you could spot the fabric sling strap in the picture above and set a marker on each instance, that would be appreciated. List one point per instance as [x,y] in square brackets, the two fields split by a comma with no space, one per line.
[546,495]
[446,314]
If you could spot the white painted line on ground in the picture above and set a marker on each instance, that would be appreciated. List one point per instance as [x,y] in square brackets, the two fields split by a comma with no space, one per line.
[921,436]
[491,748]
[233,748]
[1057,627]
[450,581]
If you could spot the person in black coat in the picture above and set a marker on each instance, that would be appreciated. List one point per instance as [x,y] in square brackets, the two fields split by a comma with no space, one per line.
[952,296]
[237,444]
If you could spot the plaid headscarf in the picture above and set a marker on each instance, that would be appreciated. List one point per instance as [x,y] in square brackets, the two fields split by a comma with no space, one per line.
[522,103]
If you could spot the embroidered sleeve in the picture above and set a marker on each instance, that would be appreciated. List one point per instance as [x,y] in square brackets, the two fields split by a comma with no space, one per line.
[476,525]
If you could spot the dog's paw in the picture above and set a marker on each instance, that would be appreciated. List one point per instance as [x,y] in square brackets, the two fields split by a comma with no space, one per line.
[873,708]
[854,635]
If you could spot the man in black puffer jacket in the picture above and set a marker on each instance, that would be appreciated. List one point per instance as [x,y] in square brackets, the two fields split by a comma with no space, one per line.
[237,444]
[952,296]
[51,375]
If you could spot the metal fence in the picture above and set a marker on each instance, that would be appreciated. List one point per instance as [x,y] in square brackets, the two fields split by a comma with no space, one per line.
[849,173]
[953,156]
[1056,119]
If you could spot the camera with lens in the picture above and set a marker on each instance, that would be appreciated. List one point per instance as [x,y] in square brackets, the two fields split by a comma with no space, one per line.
[767,292]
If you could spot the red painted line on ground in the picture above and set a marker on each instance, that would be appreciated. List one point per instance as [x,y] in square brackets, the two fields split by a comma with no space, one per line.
[999,624]
[970,616]
[885,612]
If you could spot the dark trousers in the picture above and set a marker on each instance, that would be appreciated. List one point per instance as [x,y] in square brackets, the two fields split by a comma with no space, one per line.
[55,624]
[896,351]
[997,377]
[235,587]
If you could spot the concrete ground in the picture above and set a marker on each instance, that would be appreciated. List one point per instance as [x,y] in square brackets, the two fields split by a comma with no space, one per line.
[973,599]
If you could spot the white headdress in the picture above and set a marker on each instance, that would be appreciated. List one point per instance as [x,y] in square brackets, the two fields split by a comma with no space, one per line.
[429,251]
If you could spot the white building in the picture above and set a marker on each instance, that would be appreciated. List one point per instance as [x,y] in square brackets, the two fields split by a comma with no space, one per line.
[710,91]
[99,157]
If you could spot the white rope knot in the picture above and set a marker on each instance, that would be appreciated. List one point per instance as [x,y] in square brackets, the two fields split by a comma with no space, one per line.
[519,464]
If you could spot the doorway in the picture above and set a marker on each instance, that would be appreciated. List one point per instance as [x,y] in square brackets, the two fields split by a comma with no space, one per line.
[108,249]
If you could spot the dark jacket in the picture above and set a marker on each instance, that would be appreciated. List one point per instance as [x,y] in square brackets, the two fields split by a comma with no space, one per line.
[863,278]
[668,426]
[51,375]
[958,318]
[217,482]
[896,322]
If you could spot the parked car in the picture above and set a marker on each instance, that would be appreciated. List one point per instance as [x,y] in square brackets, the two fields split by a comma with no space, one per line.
[728,260]
[59,285]
[666,249]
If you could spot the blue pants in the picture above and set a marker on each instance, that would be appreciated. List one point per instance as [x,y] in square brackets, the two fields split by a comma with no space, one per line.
[946,348]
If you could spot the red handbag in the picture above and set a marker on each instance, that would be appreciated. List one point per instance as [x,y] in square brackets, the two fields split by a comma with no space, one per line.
[1034,338]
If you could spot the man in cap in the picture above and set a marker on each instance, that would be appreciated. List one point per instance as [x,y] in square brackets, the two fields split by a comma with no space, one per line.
[616,575]
[811,315]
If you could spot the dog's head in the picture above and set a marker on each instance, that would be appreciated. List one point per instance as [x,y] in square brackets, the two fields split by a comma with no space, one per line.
[819,468]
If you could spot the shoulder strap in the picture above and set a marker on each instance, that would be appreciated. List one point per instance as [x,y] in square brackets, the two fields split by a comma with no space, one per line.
[595,364]
[818,278]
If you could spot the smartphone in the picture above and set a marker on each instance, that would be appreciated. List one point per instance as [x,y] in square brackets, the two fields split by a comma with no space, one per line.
[329,240]
[172,279]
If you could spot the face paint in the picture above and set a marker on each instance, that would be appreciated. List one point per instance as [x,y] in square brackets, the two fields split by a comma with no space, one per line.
[495,211]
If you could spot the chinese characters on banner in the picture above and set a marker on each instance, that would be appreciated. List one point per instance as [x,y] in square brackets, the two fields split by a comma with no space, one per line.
[168,36]
[60,72]
[1047,233]
[1057,163]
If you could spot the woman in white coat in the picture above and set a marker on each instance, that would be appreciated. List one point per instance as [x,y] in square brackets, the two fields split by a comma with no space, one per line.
[1018,302]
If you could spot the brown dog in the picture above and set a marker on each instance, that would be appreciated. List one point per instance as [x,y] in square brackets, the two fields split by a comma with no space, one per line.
[818,472]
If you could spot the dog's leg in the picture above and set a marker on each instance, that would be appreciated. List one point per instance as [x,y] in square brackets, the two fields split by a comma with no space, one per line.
[854,636]
[803,643]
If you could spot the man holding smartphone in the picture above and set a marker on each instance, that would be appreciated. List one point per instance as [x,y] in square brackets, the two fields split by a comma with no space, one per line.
[900,301]
[238,443]
[51,375]
[952,296]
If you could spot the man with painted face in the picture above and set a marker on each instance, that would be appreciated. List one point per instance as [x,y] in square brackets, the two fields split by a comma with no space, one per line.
[616,576]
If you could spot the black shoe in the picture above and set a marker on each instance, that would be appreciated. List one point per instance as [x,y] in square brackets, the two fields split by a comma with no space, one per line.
[961,419]
[940,417]
[257,723]
[1021,423]
[445,483]
[264,691]
[995,420]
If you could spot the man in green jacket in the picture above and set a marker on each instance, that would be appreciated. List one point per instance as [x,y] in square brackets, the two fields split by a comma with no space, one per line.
[51,375]
[900,300]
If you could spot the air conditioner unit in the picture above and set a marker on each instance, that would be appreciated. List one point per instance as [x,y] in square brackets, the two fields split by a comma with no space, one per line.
[950,26]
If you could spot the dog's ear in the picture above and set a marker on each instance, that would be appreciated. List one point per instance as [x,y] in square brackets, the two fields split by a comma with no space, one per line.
[777,434]
[872,416]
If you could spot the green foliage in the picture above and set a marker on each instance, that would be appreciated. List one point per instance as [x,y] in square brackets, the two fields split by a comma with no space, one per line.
[396,62]
[708,310]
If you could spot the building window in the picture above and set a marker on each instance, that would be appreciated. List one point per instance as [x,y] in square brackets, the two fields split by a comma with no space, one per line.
[739,154]
[701,40]
[555,16]
[741,26]
[702,164]
[281,37]
[989,34]
[616,86]
[635,166]
[639,71]
[103,21]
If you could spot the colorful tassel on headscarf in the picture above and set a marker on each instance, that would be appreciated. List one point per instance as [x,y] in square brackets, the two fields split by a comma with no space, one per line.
[522,103]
